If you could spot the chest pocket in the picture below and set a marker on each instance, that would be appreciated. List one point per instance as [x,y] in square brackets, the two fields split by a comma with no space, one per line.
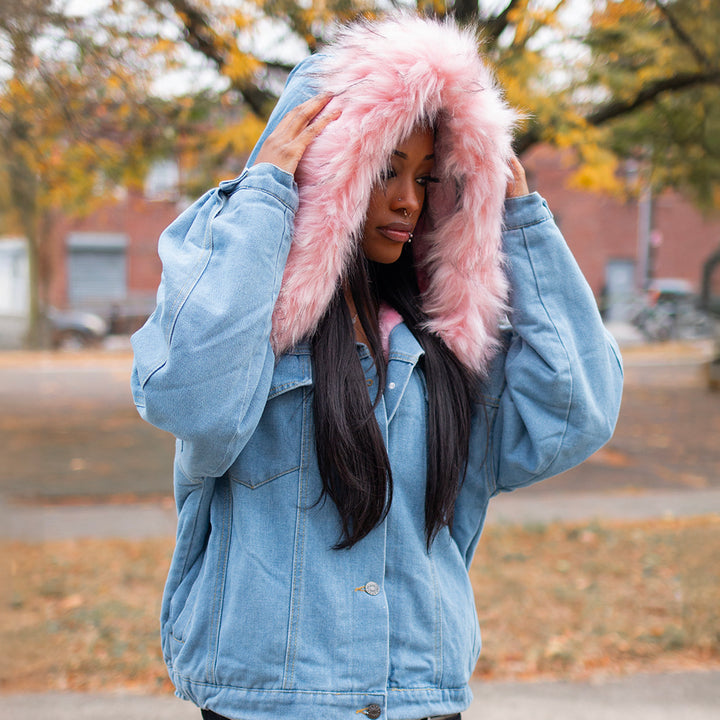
[276,447]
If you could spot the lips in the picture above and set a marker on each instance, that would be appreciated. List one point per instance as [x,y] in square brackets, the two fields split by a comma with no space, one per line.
[397,232]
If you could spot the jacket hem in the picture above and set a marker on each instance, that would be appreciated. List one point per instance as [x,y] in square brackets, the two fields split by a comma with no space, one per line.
[242,703]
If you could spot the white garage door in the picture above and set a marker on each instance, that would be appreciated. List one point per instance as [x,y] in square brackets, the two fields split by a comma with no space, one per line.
[97,269]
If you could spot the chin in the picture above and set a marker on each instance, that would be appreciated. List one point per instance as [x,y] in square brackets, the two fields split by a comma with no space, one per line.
[385,255]
[385,259]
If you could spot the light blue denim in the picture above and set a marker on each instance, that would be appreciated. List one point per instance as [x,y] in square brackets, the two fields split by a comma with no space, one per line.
[261,618]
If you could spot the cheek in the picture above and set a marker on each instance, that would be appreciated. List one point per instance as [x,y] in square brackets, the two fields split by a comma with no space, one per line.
[374,211]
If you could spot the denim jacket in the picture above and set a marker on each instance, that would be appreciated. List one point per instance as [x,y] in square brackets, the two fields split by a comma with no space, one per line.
[261,618]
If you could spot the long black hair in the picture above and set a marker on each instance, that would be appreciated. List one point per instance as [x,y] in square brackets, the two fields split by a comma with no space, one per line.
[352,456]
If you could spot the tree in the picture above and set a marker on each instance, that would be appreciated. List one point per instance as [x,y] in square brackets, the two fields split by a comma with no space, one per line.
[626,74]
[658,65]
[76,120]
[85,107]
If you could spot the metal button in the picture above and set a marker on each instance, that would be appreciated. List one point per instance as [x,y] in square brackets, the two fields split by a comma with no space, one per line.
[372,588]
[373,711]
[391,386]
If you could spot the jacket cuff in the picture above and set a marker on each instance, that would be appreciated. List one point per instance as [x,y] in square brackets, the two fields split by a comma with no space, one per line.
[266,178]
[526,210]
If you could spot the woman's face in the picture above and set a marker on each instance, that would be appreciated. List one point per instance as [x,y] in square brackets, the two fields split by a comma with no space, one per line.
[395,203]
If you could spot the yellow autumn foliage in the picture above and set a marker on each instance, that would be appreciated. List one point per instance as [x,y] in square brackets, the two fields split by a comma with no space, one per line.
[236,138]
[240,66]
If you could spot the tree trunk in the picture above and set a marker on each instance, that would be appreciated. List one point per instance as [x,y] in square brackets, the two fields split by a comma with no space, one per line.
[24,189]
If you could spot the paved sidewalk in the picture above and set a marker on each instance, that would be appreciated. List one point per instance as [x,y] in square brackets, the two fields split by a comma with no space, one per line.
[157,519]
[681,696]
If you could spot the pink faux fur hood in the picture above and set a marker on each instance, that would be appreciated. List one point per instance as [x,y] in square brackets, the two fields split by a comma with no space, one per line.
[387,76]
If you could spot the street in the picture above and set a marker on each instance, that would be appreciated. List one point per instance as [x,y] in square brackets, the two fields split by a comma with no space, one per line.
[71,433]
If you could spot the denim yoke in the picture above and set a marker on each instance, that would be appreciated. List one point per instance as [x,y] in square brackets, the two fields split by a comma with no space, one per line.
[261,618]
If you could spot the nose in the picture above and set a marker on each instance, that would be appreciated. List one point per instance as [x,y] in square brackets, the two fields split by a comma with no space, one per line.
[407,197]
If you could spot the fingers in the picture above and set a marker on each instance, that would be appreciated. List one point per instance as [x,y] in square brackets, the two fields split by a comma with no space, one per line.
[286,145]
[304,114]
[320,121]
[517,185]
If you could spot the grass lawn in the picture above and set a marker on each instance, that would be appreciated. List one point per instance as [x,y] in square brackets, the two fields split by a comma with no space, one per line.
[554,601]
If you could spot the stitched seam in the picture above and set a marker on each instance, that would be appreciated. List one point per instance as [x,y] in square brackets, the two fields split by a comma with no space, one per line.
[202,263]
[352,693]
[190,481]
[185,567]
[329,693]
[264,482]
[400,395]
[567,359]
[290,385]
[265,191]
[523,225]
[218,592]
[229,455]
[437,632]
[298,555]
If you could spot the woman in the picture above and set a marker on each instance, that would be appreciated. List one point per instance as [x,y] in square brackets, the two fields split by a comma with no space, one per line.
[327,353]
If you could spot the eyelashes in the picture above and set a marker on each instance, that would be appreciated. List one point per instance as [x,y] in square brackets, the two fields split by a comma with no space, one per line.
[386,174]
[424,180]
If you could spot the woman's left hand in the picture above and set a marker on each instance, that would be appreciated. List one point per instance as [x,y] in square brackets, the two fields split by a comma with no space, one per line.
[517,186]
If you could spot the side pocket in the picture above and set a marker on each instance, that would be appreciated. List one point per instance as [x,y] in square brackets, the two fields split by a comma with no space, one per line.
[180,623]
[196,605]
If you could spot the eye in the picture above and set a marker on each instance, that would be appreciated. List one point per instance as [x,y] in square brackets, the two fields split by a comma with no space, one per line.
[387,174]
[425,180]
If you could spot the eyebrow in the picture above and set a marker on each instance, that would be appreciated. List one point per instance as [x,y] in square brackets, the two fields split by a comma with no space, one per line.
[431,156]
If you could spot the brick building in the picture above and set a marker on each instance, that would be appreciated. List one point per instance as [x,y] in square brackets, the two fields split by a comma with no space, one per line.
[605,233]
[107,261]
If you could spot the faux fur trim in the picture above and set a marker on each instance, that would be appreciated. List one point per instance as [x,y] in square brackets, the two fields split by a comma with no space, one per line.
[387,76]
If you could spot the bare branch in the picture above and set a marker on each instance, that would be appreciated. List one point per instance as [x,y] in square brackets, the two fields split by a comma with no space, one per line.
[539,25]
[198,33]
[495,26]
[619,108]
[200,36]
[465,11]
[682,81]
[682,35]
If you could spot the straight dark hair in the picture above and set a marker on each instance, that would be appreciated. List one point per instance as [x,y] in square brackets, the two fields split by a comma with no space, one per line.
[352,458]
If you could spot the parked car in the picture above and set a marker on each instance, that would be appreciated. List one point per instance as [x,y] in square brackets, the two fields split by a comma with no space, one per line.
[75,328]
[670,310]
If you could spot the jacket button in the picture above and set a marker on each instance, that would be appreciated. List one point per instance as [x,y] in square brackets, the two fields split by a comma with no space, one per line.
[373,711]
[391,386]
[372,588]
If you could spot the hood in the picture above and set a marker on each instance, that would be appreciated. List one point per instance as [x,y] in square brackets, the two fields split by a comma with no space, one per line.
[387,76]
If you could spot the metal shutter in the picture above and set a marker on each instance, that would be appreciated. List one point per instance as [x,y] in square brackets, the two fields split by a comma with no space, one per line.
[97,269]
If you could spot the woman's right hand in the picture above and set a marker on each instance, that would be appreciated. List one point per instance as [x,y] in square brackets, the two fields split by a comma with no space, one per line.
[517,187]
[288,141]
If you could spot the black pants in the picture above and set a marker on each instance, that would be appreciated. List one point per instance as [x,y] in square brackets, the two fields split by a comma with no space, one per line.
[210,715]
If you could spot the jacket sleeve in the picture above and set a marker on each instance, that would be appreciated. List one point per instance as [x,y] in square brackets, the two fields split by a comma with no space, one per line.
[559,384]
[203,362]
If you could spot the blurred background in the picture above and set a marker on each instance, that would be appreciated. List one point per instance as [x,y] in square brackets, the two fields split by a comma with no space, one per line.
[116,114]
